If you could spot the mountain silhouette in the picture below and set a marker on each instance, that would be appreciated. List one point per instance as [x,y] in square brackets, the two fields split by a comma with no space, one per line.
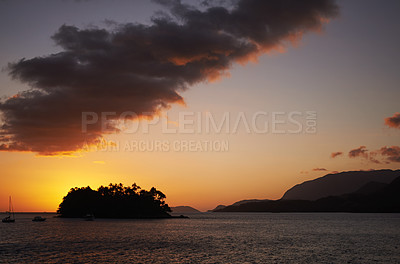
[385,200]
[219,207]
[371,187]
[249,201]
[184,209]
[354,191]
[338,184]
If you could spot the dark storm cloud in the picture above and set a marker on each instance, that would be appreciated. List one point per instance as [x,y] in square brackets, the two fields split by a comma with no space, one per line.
[393,121]
[142,68]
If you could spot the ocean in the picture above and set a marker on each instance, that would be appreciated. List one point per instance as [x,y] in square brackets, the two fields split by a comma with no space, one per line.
[205,238]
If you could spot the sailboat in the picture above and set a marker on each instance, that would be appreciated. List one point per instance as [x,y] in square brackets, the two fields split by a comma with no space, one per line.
[10,212]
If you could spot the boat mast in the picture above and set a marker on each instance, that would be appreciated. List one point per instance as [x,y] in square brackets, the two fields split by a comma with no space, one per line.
[10,208]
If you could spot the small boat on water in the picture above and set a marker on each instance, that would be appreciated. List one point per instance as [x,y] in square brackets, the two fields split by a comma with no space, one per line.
[89,217]
[38,219]
[10,218]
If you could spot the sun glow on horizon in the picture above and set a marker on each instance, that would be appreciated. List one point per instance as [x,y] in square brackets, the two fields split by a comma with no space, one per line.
[344,70]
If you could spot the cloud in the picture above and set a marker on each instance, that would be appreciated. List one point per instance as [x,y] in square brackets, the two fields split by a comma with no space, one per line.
[336,154]
[374,160]
[359,152]
[319,169]
[384,155]
[393,121]
[392,153]
[142,68]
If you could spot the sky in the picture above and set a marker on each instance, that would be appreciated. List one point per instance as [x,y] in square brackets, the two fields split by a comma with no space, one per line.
[326,70]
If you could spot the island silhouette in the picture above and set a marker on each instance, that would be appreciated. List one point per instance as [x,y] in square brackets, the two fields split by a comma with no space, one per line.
[114,201]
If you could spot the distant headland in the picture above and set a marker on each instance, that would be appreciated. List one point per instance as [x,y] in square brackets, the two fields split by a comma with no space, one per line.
[376,191]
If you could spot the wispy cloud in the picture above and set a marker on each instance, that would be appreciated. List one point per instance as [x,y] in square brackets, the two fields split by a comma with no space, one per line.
[319,169]
[383,155]
[392,153]
[336,154]
[393,121]
[358,152]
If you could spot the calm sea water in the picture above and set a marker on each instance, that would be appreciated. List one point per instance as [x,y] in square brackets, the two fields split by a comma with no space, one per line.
[206,238]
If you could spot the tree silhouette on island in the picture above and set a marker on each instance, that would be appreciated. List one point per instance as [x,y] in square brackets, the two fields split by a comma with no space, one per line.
[115,201]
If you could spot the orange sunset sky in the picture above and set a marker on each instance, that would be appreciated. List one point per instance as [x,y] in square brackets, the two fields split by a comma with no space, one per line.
[337,59]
